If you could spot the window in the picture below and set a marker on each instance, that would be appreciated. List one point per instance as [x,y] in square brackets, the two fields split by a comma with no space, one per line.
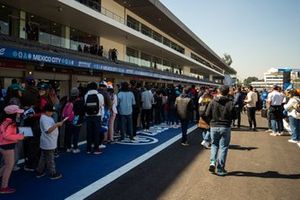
[132,55]
[157,36]
[146,30]
[145,60]
[166,42]
[132,23]
[78,37]
[9,21]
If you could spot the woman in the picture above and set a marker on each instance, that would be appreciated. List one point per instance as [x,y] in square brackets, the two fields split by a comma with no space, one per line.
[294,116]
[114,112]
[8,140]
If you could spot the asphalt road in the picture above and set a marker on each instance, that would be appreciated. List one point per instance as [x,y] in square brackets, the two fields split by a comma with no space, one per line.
[260,167]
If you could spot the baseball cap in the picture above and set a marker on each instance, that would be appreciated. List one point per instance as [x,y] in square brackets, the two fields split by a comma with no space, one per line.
[103,84]
[13,109]
[74,92]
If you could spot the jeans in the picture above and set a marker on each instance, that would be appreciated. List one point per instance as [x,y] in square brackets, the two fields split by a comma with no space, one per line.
[277,125]
[220,143]
[93,124]
[184,127]
[126,126]
[295,128]
[47,160]
[75,134]
[238,111]
[251,116]
[146,117]
[206,135]
[135,115]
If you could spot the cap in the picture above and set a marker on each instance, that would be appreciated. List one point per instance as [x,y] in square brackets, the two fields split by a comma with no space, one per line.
[74,92]
[49,107]
[16,86]
[103,84]
[43,86]
[13,109]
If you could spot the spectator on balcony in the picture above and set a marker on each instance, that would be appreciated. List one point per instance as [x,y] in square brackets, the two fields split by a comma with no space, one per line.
[79,48]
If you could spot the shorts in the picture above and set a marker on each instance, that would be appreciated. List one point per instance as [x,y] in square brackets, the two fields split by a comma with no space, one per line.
[8,146]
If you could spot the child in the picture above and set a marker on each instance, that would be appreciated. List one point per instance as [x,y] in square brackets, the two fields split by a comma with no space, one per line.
[8,140]
[48,144]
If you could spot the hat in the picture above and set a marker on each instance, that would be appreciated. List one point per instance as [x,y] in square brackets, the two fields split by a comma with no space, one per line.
[13,109]
[103,84]
[16,86]
[74,92]
[110,85]
[49,107]
[43,86]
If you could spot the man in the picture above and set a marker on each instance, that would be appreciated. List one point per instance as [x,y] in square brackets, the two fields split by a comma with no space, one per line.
[184,107]
[147,101]
[94,107]
[275,100]
[251,101]
[238,103]
[220,111]
[137,107]
[126,102]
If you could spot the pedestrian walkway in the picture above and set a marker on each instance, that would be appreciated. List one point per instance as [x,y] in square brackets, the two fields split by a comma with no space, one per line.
[260,167]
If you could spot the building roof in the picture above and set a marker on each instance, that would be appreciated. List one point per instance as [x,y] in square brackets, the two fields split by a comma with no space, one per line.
[160,16]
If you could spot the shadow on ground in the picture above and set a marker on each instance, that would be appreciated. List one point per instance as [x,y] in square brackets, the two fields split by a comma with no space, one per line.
[238,147]
[267,174]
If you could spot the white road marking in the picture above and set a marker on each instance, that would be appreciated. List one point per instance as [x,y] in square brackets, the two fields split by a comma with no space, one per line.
[92,188]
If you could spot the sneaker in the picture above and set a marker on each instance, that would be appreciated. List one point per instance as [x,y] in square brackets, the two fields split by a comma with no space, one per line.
[254,130]
[268,131]
[97,152]
[273,134]
[184,143]
[102,146]
[16,168]
[205,144]
[76,150]
[7,190]
[69,150]
[88,152]
[56,154]
[221,172]
[28,169]
[212,167]
[39,175]
[293,141]
[56,176]
[279,134]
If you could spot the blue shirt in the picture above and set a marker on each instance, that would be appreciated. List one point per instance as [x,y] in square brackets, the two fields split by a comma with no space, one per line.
[125,102]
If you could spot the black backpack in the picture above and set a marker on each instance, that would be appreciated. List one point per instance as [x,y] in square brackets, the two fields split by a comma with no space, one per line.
[92,104]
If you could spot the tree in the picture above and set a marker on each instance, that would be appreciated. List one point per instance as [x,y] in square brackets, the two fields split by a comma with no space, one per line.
[227,59]
[250,79]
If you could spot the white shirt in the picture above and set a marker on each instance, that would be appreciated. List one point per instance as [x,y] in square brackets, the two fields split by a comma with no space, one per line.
[48,140]
[115,104]
[275,98]
[290,107]
[101,101]
[251,99]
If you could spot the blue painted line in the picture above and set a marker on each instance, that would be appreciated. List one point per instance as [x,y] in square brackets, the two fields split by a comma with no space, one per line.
[80,170]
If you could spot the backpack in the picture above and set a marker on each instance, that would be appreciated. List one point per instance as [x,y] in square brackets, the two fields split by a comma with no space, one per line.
[68,111]
[92,104]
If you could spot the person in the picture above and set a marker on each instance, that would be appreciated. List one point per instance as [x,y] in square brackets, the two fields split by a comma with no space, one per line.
[251,101]
[238,104]
[275,99]
[8,140]
[48,143]
[94,108]
[114,112]
[184,107]
[125,104]
[136,107]
[203,102]
[147,101]
[220,111]
[294,116]
[74,112]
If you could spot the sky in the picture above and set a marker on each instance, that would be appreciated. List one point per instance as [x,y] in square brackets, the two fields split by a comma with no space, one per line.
[258,34]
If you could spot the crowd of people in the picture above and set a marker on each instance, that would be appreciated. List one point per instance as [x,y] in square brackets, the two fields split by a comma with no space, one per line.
[111,114]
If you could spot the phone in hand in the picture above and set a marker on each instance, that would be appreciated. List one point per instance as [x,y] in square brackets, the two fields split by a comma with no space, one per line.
[65,119]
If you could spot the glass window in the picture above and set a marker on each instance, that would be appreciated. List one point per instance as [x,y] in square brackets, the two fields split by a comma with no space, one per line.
[157,36]
[132,23]
[80,39]
[166,42]
[146,30]
[9,20]
[132,55]
[145,60]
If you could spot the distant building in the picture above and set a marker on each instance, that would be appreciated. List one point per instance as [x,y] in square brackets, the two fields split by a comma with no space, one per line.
[274,77]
